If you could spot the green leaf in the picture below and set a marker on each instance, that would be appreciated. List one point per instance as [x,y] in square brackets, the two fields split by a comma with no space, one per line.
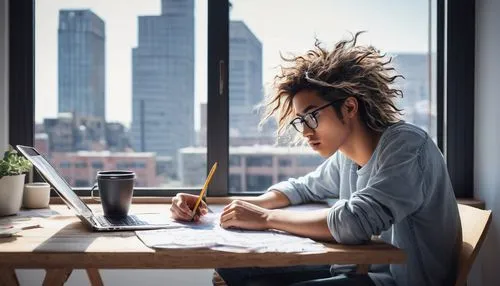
[13,164]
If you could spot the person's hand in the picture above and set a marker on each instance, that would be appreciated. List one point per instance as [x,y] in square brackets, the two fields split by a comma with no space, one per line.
[240,214]
[182,206]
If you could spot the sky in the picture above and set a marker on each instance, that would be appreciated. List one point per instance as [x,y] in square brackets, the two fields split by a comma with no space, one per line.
[286,26]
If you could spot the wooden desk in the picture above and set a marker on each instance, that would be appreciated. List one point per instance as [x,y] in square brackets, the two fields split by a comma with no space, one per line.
[64,243]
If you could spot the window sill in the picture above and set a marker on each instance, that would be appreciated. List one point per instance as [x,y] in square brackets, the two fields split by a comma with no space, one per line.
[224,200]
[472,202]
[149,200]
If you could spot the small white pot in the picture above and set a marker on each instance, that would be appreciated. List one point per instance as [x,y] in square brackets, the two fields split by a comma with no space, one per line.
[11,194]
[36,195]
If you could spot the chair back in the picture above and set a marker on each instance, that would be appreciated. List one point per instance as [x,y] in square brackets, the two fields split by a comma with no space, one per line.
[475,224]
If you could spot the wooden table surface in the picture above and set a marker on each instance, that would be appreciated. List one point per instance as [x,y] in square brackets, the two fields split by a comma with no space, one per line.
[64,242]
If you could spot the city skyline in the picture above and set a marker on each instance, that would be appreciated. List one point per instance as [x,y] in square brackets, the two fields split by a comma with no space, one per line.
[121,30]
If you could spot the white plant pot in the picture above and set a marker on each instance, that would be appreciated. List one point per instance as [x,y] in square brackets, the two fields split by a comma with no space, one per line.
[11,194]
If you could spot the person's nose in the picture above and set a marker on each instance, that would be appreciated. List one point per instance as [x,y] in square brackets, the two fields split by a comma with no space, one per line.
[307,130]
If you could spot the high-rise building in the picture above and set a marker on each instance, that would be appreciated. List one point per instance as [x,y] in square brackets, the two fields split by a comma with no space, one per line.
[60,133]
[416,101]
[68,133]
[116,137]
[245,80]
[415,85]
[81,63]
[163,80]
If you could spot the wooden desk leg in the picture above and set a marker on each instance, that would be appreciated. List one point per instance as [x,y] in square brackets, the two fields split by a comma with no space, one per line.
[94,277]
[8,277]
[56,276]
[362,268]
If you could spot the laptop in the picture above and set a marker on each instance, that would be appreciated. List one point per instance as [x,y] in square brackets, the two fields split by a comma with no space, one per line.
[95,222]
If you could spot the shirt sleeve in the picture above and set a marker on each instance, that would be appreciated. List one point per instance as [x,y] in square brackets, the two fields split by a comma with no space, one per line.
[317,185]
[391,194]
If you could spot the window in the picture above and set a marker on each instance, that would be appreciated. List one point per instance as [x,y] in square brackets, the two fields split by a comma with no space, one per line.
[80,165]
[125,85]
[234,160]
[81,183]
[311,160]
[97,165]
[259,161]
[235,183]
[256,44]
[65,165]
[282,177]
[258,183]
[28,35]
[285,162]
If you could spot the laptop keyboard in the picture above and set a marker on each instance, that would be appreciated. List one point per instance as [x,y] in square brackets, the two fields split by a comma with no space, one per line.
[125,221]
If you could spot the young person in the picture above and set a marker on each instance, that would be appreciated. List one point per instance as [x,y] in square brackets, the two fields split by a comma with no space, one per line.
[389,176]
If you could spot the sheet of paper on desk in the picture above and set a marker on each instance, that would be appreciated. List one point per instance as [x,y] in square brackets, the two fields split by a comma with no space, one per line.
[12,225]
[37,213]
[211,235]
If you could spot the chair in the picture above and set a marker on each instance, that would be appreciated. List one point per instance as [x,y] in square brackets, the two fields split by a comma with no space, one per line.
[217,280]
[475,224]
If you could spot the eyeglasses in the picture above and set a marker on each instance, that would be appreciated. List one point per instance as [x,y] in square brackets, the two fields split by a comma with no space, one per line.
[309,119]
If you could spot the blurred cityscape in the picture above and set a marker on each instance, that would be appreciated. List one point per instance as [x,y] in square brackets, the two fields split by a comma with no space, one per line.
[162,145]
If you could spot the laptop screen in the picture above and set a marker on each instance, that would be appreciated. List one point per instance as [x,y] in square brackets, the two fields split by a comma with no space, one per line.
[53,178]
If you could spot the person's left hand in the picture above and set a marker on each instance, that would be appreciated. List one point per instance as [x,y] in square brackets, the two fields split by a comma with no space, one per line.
[244,215]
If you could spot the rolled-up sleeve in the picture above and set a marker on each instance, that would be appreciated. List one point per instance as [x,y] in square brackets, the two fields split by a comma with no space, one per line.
[317,185]
[392,193]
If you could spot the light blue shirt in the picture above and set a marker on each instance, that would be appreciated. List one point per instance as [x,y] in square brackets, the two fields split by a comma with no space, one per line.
[403,193]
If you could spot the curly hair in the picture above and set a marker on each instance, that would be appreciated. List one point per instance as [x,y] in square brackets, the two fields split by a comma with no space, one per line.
[348,70]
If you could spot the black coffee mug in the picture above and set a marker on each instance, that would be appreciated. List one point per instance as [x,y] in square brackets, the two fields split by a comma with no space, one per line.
[115,191]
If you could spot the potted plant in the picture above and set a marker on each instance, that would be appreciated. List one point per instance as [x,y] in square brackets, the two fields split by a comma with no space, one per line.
[13,169]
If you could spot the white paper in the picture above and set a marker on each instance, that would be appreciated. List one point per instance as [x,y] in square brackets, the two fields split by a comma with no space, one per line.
[37,213]
[12,225]
[208,234]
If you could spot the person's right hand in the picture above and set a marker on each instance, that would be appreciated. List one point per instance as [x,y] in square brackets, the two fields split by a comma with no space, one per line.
[182,206]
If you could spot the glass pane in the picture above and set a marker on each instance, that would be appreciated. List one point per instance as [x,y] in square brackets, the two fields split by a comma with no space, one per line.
[258,35]
[432,127]
[116,88]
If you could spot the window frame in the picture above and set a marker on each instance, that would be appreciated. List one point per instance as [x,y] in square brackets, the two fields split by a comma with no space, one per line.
[458,80]
[455,30]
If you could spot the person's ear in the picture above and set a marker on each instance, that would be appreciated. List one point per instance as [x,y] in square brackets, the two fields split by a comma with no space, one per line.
[351,107]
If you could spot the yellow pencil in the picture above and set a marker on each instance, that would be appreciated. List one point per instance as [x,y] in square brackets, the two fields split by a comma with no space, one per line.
[204,189]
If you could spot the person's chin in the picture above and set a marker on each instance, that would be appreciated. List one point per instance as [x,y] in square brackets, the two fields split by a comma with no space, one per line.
[325,153]
[322,152]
